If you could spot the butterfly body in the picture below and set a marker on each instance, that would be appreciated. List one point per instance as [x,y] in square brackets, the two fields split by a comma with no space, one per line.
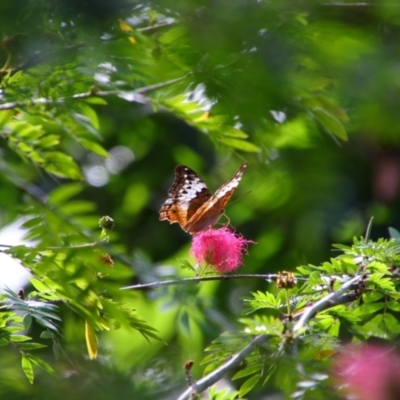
[191,204]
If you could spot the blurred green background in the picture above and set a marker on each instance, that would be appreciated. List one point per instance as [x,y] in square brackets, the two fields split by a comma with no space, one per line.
[314,84]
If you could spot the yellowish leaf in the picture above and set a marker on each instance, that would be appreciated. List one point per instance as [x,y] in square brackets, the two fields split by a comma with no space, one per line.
[206,115]
[91,340]
[127,28]
[124,26]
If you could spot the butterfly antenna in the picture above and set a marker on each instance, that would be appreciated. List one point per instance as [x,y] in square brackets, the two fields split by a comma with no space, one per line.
[239,198]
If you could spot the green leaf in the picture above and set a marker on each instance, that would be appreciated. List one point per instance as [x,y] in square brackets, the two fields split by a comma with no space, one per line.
[49,141]
[247,371]
[370,297]
[5,116]
[78,207]
[27,368]
[64,193]
[42,364]
[62,165]
[383,283]
[240,144]
[302,18]
[334,329]
[25,147]
[393,305]
[324,321]
[91,114]
[46,323]
[369,308]
[378,266]
[28,131]
[248,385]
[38,285]
[212,391]
[3,342]
[330,123]
[235,133]
[19,338]
[32,222]
[224,394]
[27,321]
[69,171]
[46,335]
[96,100]
[306,269]
[391,323]
[12,330]
[41,313]
[94,147]
[394,234]
[36,157]
[262,300]
[332,108]
[31,346]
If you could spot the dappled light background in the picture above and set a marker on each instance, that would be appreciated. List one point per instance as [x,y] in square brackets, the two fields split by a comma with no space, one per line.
[315,85]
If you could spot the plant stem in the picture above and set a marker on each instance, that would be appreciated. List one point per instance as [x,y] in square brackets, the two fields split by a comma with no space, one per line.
[152,285]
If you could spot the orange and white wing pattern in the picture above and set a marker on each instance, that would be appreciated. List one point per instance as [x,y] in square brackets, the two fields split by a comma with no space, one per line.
[186,195]
[191,204]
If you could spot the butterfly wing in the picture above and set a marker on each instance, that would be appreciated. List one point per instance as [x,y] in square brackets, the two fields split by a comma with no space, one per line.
[186,195]
[210,212]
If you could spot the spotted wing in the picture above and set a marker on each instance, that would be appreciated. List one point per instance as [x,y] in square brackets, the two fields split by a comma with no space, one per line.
[209,212]
[186,195]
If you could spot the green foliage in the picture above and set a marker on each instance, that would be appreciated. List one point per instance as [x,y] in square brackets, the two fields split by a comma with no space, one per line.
[100,100]
[66,270]
[366,310]
[224,394]
[43,313]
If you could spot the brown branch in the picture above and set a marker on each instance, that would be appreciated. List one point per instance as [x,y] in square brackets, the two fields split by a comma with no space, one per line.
[324,303]
[331,300]
[221,371]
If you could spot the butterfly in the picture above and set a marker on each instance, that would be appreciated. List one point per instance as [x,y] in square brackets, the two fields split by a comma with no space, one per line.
[191,204]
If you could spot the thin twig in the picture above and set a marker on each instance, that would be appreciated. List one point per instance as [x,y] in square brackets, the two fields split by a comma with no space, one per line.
[148,30]
[362,5]
[73,247]
[268,277]
[92,93]
[151,29]
[369,227]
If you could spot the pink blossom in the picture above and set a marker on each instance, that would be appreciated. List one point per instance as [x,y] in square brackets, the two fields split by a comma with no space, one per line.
[368,372]
[220,248]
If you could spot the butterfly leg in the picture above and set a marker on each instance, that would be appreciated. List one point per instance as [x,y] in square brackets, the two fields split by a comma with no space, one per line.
[228,223]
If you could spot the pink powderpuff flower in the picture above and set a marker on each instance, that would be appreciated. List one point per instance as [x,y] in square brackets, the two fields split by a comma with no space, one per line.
[220,248]
[368,372]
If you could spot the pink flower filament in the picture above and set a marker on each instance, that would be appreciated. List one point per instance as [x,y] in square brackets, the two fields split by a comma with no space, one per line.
[369,372]
[220,248]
